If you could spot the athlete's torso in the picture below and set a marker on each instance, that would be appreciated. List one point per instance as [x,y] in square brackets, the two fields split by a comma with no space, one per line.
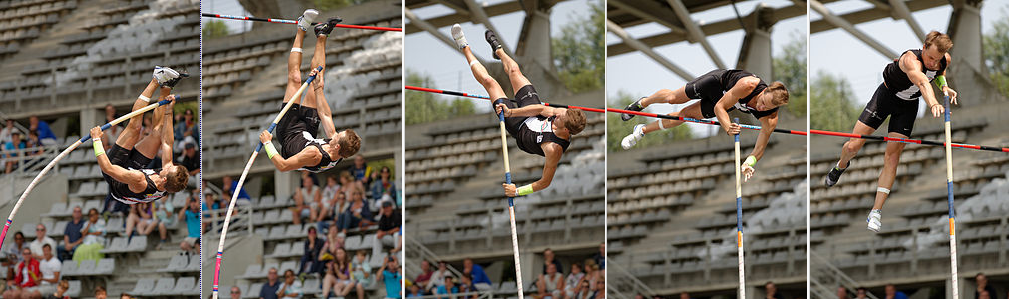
[900,84]
[536,131]
[121,191]
[326,162]
[729,78]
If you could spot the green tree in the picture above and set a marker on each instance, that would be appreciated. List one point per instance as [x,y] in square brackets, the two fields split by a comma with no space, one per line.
[214,28]
[617,129]
[423,107]
[578,51]
[996,52]
[834,110]
[790,69]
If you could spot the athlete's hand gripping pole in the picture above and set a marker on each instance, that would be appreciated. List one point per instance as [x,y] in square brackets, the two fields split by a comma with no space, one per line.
[241,181]
[949,198]
[28,190]
[739,221]
[511,206]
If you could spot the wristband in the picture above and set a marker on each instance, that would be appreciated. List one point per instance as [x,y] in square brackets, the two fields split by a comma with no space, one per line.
[99,148]
[525,190]
[270,150]
[295,50]
[940,81]
[144,98]
[750,161]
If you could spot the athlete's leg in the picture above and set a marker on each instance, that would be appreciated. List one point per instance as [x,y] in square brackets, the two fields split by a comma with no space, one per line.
[518,80]
[891,158]
[853,145]
[480,73]
[149,145]
[691,111]
[294,66]
[678,96]
[129,137]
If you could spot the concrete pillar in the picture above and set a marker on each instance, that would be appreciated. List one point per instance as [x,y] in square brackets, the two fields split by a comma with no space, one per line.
[755,55]
[965,30]
[534,45]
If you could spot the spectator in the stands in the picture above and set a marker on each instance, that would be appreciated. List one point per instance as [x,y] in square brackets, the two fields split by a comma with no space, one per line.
[337,276]
[447,287]
[34,142]
[550,258]
[61,288]
[466,286]
[356,215]
[190,158]
[361,170]
[50,267]
[383,188]
[388,226]
[334,240]
[291,288]
[599,290]
[100,293]
[312,248]
[165,212]
[984,295]
[551,284]
[26,275]
[574,279]
[771,291]
[11,148]
[424,278]
[13,254]
[685,295]
[94,238]
[228,184]
[842,293]
[45,133]
[235,293]
[582,291]
[892,292]
[414,291]
[304,199]
[592,272]
[480,279]
[333,202]
[600,256]
[186,130]
[392,277]
[192,217]
[5,133]
[41,239]
[348,184]
[332,187]
[861,293]
[72,236]
[983,285]
[112,133]
[361,275]
[142,219]
[272,285]
[437,278]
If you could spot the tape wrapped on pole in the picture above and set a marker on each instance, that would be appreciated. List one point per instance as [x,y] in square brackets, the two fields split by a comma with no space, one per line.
[241,181]
[739,218]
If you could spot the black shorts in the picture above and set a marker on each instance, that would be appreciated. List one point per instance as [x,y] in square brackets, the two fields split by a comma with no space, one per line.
[524,97]
[707,88]
[885,103]
[291,128]
[129,159]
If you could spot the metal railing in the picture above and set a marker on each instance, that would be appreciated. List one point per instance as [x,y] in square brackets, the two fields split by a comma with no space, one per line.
[242,217]
[29,160]
[620,283]
[825,275]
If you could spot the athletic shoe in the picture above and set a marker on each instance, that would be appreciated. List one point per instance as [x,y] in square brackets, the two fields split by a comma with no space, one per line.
[167,77]
[636,106]
[460,38]
[631,140]
[306,19]
[324,29]
[873,220]
[494,43]
[834,174]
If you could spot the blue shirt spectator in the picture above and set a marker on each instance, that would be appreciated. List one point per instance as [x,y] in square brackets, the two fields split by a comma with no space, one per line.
[231,184]
[479,276]
[42,128]
[272,285]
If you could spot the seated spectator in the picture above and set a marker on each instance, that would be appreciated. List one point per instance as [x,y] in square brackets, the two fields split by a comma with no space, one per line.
[550,258]
[61,289]
[361,275]
[582,291]
[334,241]
[383,188]
[391,277]
[13,254]
[291,288]
[186,130]
[236,293]
[414,291]
[573,280]
[388,226]
[26,275]
[466,286]
[33,143]
[40,240]
[100,293]
[94,239]
[338,275]
[312,248]
[332,210]
[45,133]
[550,285]
[12,148]
[190,158]
[50,268]
[5,133]
[304,198]
[447,287]
[332,187]
[112,133]
[592,272]
[165,213]
[72,236]
[600,256]
[142,218]
[360,170]
[437,278]
[272,285]
[480,279]
[192,217]
[425,274]
[228,184]
[356,215]
[348,184]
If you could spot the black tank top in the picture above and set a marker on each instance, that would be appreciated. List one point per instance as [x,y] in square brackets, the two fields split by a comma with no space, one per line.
[900,84]
[731,77]
[326,162]
[121,191]
[536,131]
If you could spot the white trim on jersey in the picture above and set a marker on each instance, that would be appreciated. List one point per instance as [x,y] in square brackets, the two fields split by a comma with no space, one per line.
[538,125]
[910,91]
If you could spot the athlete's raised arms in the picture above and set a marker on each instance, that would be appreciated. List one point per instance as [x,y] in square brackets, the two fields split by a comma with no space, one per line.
[553,153]
[168,134]
[529,111]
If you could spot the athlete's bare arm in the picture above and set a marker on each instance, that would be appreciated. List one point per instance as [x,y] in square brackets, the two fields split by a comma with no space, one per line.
[528,111]
[767,125]
[912,67]
[553,153]
[168,135]
[322,106]
[133,178]
[742,88]
[946,89]
[308,156]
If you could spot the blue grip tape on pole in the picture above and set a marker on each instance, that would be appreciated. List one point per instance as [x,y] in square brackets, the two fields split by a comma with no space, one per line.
[949,191]
[946,106]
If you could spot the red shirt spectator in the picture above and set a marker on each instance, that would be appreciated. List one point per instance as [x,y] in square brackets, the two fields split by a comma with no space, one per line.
[30,276]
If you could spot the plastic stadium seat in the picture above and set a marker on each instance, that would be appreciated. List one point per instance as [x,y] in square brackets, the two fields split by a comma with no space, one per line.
[69,269]
[194,264]
[118,245]
[28,229]
[57,230]
[58,209]
[105,266]
[253,291]
[178,262]
[253,270]
[288,265]
[143,287]
[280,250]
[87,267]
[163,287]
[138,244]
[186,286]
